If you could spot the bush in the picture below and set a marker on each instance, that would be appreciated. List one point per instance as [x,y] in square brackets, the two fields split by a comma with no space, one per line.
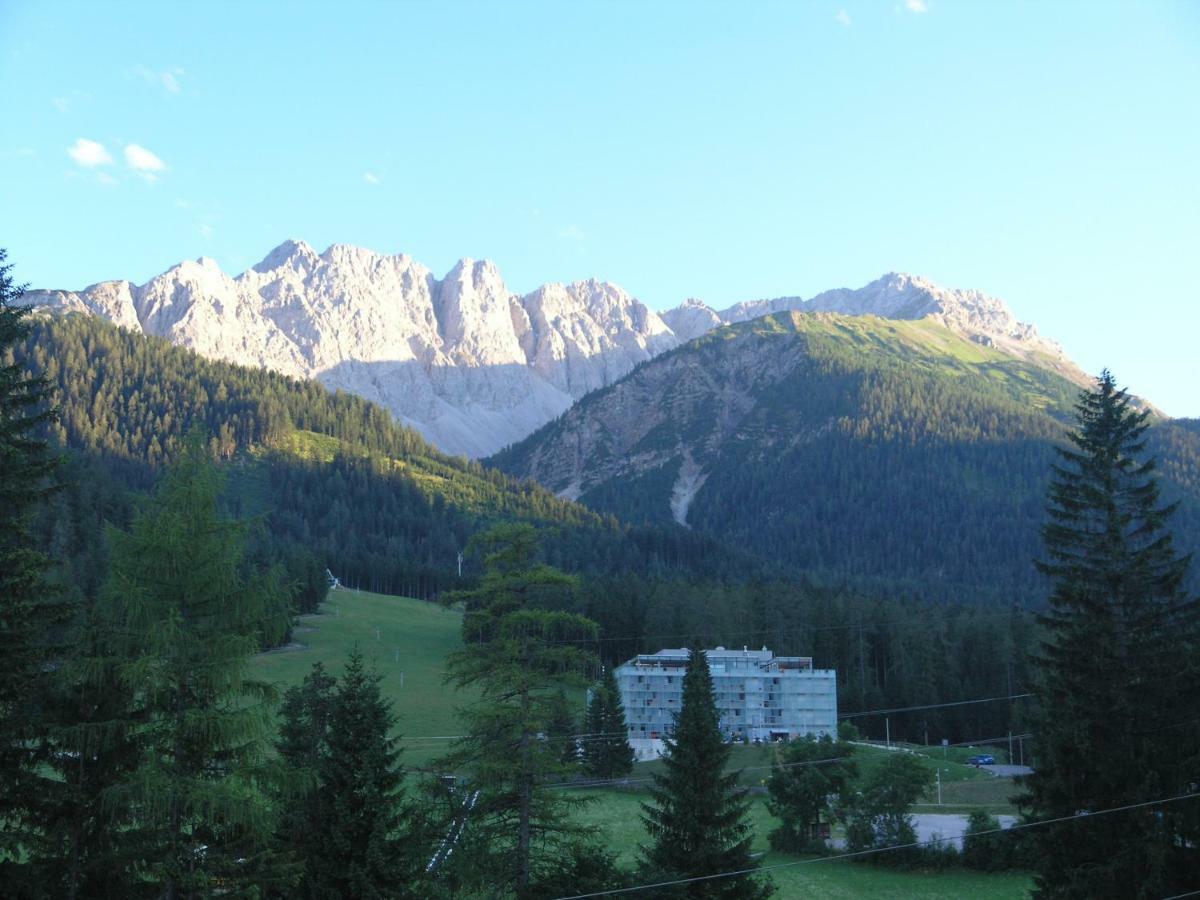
[848,731]
[990,852]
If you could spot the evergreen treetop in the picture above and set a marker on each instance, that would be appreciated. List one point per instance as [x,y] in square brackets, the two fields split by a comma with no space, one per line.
[606,750]
[697,815]
[30,611]
[369,850]
[1118,681]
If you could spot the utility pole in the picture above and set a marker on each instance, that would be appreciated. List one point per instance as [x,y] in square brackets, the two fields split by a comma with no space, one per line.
[939,782]
[460,564]
[1010,756]
[887,723]
[862,671]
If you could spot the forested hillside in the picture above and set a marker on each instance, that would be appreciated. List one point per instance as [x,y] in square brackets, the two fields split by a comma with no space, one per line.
[894,456]
[336,481]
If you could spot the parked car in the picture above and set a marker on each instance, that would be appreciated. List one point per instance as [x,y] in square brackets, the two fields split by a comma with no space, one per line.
[981,760]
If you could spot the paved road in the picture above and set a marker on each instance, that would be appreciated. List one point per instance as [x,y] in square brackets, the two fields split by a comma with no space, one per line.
[1008,771]
[949,825]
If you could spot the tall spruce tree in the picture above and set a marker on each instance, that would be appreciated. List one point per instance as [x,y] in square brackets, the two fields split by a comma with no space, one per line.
[606,750]
[367,847]
[89,845]
[189,617]
[1118,688]
[521,650]
[697,819]
[30,611]
[303,745]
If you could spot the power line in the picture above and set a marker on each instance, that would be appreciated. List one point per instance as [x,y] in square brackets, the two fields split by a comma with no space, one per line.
[772,632]
[773,766]
[874,850]
[881,712]
[854,715]
[808,762]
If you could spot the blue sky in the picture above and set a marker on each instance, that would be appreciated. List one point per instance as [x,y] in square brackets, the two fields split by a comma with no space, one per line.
[1048,153]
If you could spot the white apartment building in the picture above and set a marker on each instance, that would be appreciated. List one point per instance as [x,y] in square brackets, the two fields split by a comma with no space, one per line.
[759,696]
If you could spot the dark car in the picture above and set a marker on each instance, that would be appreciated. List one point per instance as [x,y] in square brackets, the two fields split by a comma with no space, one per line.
[983,760]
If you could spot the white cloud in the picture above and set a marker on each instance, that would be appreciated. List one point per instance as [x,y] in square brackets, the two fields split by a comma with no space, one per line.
[572,233]
[167,79]
[105,178]
[89,153]
[62,104]
[205,230]
[140,159]
[916,6]
[843,18]
[370,178]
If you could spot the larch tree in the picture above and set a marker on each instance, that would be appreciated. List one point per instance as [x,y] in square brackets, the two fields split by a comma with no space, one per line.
[520,650]
[192,612]
[697,817]
[1118,673]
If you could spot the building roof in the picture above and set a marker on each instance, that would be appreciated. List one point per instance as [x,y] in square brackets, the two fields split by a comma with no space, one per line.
[678,656]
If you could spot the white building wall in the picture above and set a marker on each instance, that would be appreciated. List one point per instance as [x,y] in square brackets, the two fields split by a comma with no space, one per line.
[759,696]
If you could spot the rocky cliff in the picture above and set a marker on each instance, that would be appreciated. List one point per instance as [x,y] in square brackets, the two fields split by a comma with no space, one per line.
[471,364]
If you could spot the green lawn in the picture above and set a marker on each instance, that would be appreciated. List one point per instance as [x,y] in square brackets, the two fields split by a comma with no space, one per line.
[963,787]
[617,815]
[400,635]
[405,640]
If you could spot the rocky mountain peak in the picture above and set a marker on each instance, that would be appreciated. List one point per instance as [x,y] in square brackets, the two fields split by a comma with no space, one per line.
[287,253]
[463,358]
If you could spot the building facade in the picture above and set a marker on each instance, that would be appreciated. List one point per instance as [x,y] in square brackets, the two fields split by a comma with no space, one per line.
[759,696]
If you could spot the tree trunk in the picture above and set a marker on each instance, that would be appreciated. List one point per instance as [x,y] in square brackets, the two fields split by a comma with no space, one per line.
[524,794]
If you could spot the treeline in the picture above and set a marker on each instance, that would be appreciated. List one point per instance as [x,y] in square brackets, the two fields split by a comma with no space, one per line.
[889,652]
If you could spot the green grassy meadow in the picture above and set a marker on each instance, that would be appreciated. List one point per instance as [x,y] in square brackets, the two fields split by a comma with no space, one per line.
[401,635]
[617,817]
[405,640]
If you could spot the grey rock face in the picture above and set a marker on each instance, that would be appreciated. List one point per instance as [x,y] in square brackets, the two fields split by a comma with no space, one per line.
[470,364]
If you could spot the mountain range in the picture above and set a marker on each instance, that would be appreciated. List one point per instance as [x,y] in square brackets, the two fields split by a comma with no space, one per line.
[463,359]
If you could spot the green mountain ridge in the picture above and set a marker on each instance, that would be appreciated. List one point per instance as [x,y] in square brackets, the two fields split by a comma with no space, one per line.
[332,476]
[886,454]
